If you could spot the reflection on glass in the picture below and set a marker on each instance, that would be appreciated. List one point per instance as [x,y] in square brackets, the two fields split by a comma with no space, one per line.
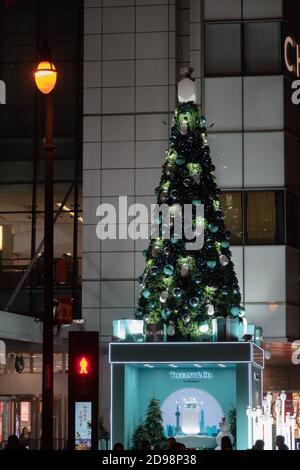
[231,203]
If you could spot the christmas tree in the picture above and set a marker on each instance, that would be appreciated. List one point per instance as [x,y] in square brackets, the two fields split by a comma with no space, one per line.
[154,425]
[139,436]
[182,287]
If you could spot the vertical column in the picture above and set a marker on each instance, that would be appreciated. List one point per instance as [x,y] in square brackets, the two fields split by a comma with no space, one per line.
[196,51]
[91,162]
[243,400]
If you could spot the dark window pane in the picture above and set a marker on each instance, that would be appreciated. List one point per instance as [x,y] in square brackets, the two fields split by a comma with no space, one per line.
[223,49]
[262,48]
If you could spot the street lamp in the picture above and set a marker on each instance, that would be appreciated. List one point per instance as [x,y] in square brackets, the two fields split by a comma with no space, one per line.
[45,79]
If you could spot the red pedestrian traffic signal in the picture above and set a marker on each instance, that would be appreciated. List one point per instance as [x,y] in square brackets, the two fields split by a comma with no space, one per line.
[83,366]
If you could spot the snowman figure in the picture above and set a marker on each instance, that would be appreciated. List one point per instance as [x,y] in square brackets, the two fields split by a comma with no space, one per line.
[224,431]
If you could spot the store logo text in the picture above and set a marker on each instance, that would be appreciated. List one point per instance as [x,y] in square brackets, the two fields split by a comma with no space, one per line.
[191,376]
[292,63]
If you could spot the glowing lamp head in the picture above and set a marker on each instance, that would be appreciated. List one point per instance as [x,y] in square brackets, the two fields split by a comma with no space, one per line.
[83,366]
[45,77]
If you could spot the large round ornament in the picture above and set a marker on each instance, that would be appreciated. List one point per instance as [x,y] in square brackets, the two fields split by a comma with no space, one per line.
[213,228]
[196,178]
[171,329]
[184,128]
[180,160]
[235,310]
[168,270]
[154,271]
[174,194]
[186,319]
[187,182]
[223,260]
[177,292]
[225,244]
[210,310]
[163,196]
[167,250]
[203,327]
[164,296]
[211,263]
[185,271]
[194,302]
[146,293]
[139,312]
[166,312]
[169,169]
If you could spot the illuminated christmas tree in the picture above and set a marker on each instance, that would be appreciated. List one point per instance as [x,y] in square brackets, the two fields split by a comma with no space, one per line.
[182,287]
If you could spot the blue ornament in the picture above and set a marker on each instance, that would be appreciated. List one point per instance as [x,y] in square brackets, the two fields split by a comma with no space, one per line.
[235,311]
[180,160]
[139,312]
[213,228]
[146,293]
[225,244]
[177,292]
[154,271]
[196,202]
[166,312]
[174,194]
[194,302]
[152,304]
[168,270]
[211,263]
[174,239]
[145,253]
[198,279]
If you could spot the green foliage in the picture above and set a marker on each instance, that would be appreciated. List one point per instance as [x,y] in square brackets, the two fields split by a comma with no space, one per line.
[139,435]
[103,432]
[232,421]
[154,424]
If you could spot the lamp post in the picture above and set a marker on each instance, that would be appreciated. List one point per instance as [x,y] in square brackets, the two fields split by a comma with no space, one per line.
[45,79]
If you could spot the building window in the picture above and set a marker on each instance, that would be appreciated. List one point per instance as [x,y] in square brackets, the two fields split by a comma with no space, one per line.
[247,48]
[222,49]
[262,48]
[264,219]
[232,207]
